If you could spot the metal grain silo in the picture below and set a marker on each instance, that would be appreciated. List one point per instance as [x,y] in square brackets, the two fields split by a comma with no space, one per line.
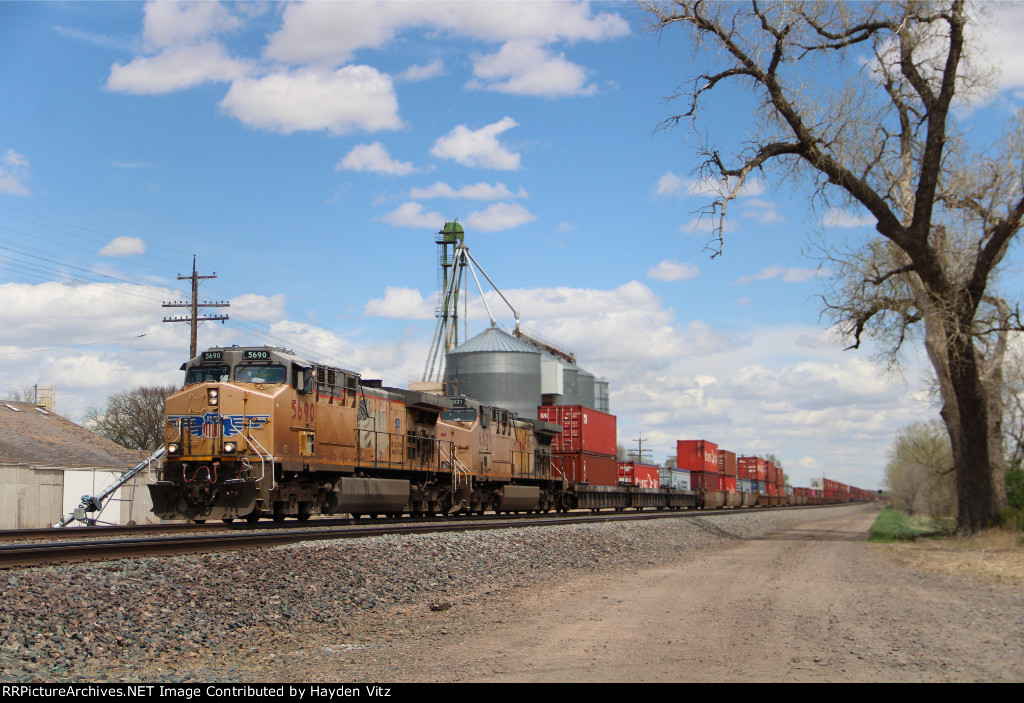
[496,369]
[570,384]
[551,378]
[585,388]
[601,400]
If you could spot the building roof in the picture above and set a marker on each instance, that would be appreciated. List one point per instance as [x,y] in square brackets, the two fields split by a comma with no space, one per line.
[30,435]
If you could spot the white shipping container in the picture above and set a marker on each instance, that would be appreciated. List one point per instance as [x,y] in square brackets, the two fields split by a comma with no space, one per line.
[674,478]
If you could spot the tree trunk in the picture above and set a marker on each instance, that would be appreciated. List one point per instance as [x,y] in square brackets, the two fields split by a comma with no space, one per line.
[977,502]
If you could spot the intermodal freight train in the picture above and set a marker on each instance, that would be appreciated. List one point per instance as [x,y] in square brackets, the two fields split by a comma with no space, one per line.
[260,432]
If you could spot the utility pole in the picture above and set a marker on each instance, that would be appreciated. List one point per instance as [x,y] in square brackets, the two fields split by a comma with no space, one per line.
[639,452]
[194,305]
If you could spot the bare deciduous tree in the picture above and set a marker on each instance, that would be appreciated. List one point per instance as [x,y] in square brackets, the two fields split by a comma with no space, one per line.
[133,418]
[855,99]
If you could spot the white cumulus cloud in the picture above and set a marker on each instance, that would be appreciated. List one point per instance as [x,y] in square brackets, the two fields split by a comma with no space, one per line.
[499,216]
[670,184]
[525,68]
[375,159]
[124,246]
[413,215]
[349,99]
[258,308]
[170,23]
[13,173]
[400,303]
[421,73]
[673,271]
[478,148]
[176,68]
[327,33]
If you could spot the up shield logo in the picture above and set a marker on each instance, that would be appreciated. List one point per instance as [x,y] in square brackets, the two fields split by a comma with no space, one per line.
[212,425]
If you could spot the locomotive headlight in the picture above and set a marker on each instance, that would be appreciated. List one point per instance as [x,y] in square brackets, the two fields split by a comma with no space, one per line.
[212,396]
[230,447]
[173,449]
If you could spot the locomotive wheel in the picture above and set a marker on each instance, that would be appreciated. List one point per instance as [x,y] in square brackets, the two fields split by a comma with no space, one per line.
[356,516]
[199,522]
[227,520]
[303,517]
[278,517]
[252,518]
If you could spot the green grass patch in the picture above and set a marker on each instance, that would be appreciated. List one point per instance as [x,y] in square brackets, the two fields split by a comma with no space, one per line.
[894,526]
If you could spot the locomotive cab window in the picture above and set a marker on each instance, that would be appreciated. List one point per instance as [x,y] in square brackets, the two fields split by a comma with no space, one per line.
[261,373]
[459,415]
[208,374]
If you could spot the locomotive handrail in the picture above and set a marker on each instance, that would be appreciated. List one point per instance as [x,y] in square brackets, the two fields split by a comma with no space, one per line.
[457,467]
[260,451]
[405,462]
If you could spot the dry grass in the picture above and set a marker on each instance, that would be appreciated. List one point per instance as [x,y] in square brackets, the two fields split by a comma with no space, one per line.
[994,554]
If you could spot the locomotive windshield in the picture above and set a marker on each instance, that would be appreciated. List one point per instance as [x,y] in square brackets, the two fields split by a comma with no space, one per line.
[207,374]
[261,373]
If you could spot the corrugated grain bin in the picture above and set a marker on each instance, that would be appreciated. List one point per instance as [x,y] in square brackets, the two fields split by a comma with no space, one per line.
[697,455]
[583,429]
[727,463]
[497,369]
[595,469]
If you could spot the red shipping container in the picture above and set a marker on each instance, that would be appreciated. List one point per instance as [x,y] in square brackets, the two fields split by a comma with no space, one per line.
[727,484]
[583,429]
[595,469]
[727,463]
[755,468]
[697,455]
[635,474]
[706,480]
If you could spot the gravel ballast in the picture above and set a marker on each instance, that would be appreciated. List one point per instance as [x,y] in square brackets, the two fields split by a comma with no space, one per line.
[225,616]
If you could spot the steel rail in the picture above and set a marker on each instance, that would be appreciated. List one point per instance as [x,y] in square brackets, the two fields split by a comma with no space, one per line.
[34,554]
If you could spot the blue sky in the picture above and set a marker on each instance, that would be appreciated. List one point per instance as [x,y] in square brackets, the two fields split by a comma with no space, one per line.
[308,154]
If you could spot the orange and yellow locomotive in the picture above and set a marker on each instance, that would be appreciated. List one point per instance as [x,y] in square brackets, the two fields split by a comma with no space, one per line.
[259,432]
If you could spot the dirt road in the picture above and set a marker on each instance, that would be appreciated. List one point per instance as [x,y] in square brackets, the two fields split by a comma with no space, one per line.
[814,602]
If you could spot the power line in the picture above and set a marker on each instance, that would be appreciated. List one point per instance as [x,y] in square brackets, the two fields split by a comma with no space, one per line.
[83,344]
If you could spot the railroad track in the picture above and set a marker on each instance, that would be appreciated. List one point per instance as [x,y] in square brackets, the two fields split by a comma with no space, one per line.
[191,539]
